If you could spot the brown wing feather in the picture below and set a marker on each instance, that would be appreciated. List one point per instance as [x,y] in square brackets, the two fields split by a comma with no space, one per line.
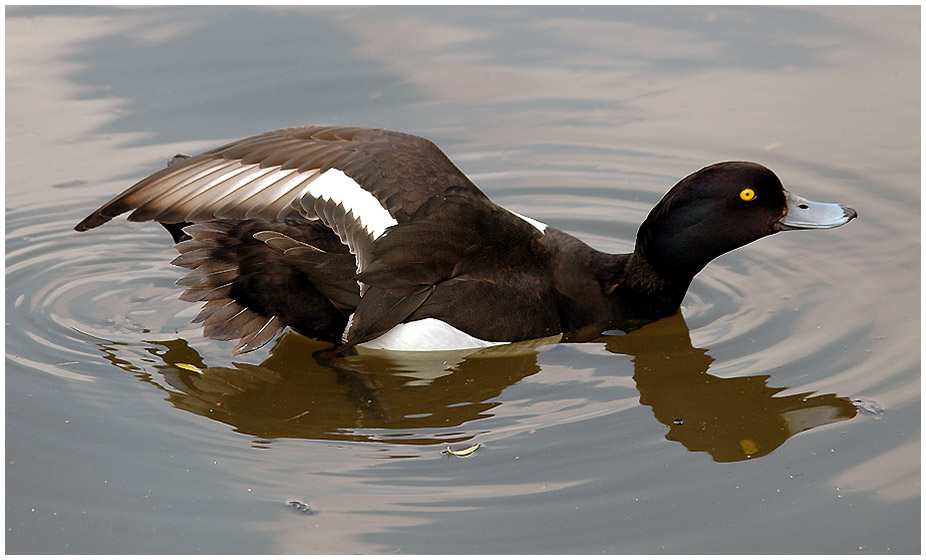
[264,175]
[252,294]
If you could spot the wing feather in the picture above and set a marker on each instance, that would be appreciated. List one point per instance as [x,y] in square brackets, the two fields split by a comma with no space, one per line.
[401,171]
[206,201]
[186,201]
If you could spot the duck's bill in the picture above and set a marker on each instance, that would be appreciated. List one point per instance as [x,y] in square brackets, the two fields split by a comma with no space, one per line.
[807,214]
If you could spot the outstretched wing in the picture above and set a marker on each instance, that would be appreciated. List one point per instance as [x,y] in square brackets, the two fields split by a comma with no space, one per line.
[358,182]
[270,176]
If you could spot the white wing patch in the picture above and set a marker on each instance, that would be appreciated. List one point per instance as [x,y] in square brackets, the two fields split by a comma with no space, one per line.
[336,186]
[541,227]
[352,212]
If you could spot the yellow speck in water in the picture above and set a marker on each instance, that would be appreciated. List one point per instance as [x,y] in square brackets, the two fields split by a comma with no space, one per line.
[749,446]
[189,367]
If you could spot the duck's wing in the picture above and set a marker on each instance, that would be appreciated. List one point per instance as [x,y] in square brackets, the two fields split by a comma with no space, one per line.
[361,183]
[271,176]
[252,294]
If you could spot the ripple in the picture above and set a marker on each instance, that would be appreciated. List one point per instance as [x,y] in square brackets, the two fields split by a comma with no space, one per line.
[65,290]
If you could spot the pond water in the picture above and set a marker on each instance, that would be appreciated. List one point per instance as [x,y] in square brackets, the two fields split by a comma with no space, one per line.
[778,413]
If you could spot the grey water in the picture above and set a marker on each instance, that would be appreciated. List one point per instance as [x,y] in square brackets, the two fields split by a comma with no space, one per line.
[779,412]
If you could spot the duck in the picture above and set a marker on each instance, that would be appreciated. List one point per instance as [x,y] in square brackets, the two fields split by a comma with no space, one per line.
[371,238]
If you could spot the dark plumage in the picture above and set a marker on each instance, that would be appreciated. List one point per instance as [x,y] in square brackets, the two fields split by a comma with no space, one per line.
[344,233]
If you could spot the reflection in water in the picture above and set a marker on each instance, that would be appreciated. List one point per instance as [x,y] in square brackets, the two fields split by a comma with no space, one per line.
[304,391]
[732,419]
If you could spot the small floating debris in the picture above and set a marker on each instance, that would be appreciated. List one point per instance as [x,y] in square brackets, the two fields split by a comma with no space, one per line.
[463,452]
[869,406]
[301,507]
[296,417]
[188,367]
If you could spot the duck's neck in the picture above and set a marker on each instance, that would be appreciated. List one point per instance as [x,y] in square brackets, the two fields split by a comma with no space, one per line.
[640,291]
[658,273]
[668,252]
[597,287]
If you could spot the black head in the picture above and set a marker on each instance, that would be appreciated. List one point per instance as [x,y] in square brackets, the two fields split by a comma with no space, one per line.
[720,208]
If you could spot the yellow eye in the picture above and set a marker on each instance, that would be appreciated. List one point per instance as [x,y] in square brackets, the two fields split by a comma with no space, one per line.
[747,194]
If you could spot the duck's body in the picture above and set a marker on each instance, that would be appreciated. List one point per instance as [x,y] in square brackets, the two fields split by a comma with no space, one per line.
[374,238]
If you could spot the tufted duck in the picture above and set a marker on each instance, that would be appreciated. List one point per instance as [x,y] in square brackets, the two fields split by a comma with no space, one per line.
[374,238]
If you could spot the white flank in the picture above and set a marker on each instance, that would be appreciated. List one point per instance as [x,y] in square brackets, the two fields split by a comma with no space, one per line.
[426,335]
[337,187]
[542,227]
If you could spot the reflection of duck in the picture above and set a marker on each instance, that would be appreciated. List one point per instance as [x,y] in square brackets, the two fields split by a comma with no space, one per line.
[730,418]
[303,391]
[371,237]
[384,397]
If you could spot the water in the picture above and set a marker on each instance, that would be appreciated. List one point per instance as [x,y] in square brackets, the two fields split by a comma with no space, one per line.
[730,428]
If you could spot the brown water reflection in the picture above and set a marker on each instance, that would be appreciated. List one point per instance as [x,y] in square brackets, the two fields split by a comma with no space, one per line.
[304,391]
[733,419]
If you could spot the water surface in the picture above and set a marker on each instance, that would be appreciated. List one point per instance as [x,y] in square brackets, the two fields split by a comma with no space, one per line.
[778,413]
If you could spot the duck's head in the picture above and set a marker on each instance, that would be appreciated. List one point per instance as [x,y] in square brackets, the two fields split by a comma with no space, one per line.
[720,208]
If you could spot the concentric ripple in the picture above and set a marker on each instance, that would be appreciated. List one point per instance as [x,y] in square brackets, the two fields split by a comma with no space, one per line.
[67,291]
